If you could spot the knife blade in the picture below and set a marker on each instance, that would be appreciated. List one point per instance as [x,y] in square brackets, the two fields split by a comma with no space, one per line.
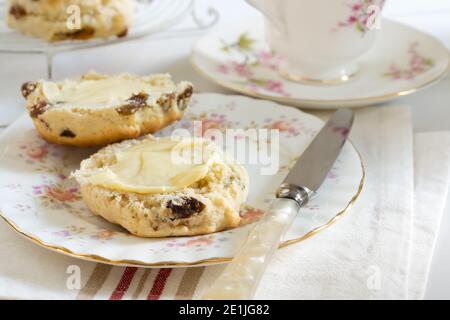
[240,278]
[318,158]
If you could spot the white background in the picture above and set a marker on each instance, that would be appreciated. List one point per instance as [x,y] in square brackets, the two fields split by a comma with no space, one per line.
[431,107]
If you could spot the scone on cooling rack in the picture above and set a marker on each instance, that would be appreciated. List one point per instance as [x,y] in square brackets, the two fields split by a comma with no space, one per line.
[98,109]
[55,20]
[158,187]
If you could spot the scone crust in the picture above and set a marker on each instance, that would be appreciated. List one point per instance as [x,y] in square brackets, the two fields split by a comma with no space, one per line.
[47,19]
[86,127]
[219,197]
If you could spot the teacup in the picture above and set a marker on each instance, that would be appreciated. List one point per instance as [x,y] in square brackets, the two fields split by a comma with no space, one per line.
[320,40]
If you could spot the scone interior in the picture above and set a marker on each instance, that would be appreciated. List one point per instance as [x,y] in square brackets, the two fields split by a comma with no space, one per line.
[139,185]
[54,20]
[98,109]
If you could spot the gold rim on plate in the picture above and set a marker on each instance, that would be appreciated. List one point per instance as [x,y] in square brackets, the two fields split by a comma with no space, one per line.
[203,262]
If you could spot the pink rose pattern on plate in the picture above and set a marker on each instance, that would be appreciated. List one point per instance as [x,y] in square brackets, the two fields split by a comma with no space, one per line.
[250,214]
[250,59]
[417,64]
[81,233]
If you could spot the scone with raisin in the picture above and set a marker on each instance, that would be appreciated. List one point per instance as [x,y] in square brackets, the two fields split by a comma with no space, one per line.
[98,109]
[158,187]
[55,20]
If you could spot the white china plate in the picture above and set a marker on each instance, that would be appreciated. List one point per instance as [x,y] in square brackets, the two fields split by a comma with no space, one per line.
[402,61]
[40,201]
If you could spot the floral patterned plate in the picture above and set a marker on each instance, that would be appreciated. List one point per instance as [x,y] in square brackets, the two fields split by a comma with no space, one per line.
[40,201]
[401,61]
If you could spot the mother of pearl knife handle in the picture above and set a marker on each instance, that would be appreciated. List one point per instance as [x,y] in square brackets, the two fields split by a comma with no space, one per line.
[240,278]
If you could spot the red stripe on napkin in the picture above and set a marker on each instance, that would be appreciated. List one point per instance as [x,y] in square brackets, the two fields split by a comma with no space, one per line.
[123,284]
[159,284]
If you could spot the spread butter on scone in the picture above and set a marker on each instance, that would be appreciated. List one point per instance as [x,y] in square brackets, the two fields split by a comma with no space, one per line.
[158,187]
[55,20]
[98,109]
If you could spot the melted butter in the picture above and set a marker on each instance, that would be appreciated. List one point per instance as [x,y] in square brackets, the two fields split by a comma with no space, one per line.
[159,166]
[98,93]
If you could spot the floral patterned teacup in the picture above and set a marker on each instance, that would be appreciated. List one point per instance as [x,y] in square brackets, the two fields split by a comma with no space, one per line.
[320,40]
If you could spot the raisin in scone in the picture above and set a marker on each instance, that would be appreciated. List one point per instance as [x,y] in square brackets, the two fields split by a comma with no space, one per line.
[55,20]
[98,109]
[158,187]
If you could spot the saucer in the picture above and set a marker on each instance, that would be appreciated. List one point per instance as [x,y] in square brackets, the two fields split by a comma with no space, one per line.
[402,61]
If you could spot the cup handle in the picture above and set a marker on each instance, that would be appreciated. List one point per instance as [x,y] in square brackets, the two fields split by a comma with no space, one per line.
[276,20]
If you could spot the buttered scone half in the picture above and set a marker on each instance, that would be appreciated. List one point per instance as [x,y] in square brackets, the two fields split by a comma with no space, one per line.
[98,109]
[159,187]
[54,20]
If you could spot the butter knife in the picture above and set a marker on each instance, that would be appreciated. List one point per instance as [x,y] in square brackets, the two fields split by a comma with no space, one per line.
[240,278]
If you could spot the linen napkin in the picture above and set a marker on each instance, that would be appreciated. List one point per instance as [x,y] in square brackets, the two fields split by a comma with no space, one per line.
[431,185]
[363,255]
[356,258]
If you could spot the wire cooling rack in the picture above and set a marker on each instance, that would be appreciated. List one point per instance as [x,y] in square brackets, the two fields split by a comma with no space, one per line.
[151,17]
